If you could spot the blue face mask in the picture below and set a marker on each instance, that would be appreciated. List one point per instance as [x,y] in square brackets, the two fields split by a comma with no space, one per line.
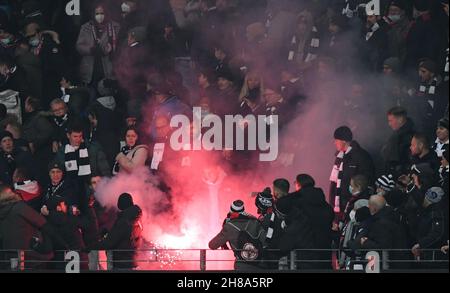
[350,189]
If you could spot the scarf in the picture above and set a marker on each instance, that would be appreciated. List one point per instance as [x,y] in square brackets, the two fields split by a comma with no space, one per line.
[439,147]
[429,89]
[311,51]
[372,30]
[336,177]
[271,227]
[53,189]
[125,150]
[112,35]
[77,160]
[60,121]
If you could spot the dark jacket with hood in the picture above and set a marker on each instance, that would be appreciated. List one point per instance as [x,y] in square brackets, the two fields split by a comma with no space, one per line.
[125,235]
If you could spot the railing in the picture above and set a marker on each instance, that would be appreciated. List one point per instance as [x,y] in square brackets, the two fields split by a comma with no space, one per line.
[174,259]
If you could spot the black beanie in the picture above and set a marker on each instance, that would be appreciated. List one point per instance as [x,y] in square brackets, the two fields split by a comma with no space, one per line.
[264,200]
[443,123]
[343,133]
[237,206]
[125,201]
[4,134]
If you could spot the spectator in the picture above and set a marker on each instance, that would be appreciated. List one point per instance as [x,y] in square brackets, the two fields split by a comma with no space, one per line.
[351,160]
[125,235]
[37,130]
[15,128]
[11,158]
[19,223]
[46,48]
[97,42]
[280,188]
[396,151]
[359,189]
[397,32]
[421,152]
[238,224]
[81,159]
[133,155]
[432,230]
[442,137]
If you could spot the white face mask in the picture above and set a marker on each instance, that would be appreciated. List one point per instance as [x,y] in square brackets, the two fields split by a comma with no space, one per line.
[100,18]
[34,42]
[352,215]
[125,8]
[395,17]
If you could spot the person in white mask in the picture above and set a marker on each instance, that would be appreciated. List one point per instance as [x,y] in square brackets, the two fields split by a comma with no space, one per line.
[97,42]
[398,27]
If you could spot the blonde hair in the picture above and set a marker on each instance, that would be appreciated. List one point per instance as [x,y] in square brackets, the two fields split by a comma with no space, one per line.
[245,90]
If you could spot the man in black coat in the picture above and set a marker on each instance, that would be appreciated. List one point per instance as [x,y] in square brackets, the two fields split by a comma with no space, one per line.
[12,158]
[311,201]
[432,229]
[384,231]
[351,160]
[19,225]
[421,152]
[53,65]
[396,151]
[125,235]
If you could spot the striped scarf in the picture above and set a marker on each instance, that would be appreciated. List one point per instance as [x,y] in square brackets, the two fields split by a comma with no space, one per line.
[310,52]
[443,172]
[336,177]
[125,150]
[439,147]
[271,228]
[429,89]
[76,160]
[371,31]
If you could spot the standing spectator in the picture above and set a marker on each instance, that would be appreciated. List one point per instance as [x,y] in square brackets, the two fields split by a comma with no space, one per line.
[15,128]
[374,47]
[442,137]
[80,158]
[311,201]
[45,47]
[97,42]
[383,232]
[236,225]
[11,158]
[125,235]
[432,230]
[130,18]
[19,224]
[37,130]
[359,189]
[60,186]
[133,155]
[396,151]
[421,152]
[399,24]
[60,119]
[430,95]
[351,160]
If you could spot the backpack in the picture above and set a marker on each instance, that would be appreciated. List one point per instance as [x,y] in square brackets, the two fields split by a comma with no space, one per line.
[250,247]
